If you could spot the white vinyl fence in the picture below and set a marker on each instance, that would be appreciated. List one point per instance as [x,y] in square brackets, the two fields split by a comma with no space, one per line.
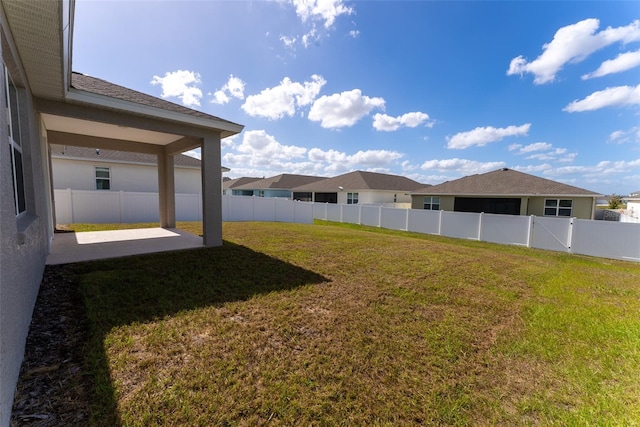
[608,239]
[101,207]
[605,239]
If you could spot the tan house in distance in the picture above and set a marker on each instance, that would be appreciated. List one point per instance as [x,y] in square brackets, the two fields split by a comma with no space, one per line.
[359,187]
[506,191]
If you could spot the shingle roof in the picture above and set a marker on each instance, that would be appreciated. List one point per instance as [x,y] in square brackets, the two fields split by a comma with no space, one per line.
[61,151]
[233,183]
[361,180]
[281,182]
[503,182]
[102,87]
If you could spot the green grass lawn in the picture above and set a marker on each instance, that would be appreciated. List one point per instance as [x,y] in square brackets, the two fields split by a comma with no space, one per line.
[332,324]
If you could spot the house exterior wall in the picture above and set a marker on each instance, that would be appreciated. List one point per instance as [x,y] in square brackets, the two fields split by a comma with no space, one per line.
[80,175]
[582,206]
[24,239]
[375,196]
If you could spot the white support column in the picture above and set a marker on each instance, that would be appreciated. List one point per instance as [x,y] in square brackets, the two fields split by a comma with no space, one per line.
[166,191]
[211,191]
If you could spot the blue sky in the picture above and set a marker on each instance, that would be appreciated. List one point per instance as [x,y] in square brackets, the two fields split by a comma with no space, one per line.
[427,89]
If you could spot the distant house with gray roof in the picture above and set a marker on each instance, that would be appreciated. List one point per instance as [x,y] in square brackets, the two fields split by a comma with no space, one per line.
[83,168]
[360,187]
[229,186]
[276,186]
[506,191]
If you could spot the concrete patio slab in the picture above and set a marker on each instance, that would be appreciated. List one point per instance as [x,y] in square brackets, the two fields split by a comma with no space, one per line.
[93,245]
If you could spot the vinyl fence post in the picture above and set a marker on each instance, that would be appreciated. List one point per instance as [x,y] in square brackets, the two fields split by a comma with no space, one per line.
[406,224]
[530,231]
[379,216]
[570,236]
[480,226]
[341,210]
[71,215]
[120,204]
[440,223]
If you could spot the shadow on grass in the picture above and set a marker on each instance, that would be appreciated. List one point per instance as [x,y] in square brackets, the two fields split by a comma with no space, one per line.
[145,288]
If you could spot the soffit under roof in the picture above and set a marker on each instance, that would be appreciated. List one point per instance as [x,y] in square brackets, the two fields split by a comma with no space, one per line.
[97,129]
[37,31]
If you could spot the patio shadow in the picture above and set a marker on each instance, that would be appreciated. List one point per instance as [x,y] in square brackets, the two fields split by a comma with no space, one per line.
[145,288]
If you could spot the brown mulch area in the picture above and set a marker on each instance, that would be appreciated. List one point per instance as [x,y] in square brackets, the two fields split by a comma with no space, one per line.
[54,388]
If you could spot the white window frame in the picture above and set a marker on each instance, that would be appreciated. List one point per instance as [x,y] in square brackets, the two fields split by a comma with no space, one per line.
[15,143]
[431,203]
[101,178]
[352,198]
[554,207]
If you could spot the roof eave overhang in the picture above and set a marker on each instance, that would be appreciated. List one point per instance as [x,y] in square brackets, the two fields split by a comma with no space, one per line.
[225,128]
[422,193]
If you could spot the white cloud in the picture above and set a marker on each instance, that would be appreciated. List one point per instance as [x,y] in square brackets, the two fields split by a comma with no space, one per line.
[233,87]
[288,42]
[609,97]
[623,62]
[572,43]
[536,146]
[383,122]
[276,102]
[343,109]
[462,166]
[180,84]
[258,149]
[354,33]
[338,162]
[322,10]
[622,136]
[481,136]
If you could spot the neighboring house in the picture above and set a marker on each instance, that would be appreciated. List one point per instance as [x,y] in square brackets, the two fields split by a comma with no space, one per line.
[359,187]
[45,103]
[82,168]
[633,204]
[506,191]
[276,186]
[229,185]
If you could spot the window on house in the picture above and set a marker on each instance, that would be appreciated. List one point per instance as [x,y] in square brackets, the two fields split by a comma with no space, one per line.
[15,143]
[432,203]
[558,207]
[260,193]
[103,178]
[352,198]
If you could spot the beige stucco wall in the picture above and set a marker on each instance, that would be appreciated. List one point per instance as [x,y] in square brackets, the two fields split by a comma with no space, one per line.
[582,206]
[24,244]
[80,175]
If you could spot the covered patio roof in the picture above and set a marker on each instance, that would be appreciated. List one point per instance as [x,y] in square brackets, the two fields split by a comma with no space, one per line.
[85,111]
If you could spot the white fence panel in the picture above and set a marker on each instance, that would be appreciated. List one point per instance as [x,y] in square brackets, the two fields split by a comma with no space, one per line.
[188,207]
[320,210]
[424,221]
[240,208]
[334,212]
[607,239]
[464,225]
[139,207]
[551,233]
[303,212]
[394,219]
[506,229]
[99,207]
[264,209]
[63,206]
[370,215]
[351,214]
